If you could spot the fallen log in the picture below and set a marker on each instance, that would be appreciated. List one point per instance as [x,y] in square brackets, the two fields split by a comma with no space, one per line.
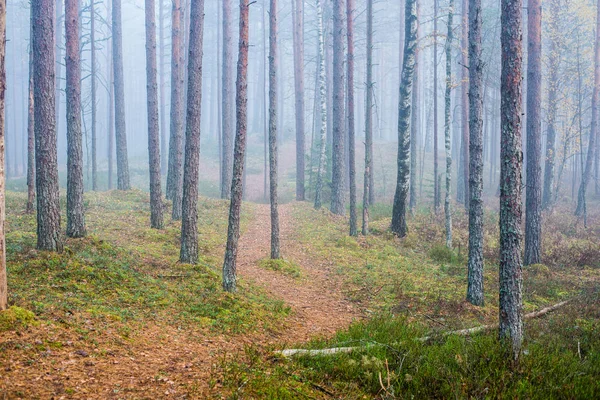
[461,332]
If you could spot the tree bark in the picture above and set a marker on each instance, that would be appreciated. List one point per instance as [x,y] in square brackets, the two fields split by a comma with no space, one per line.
[350,116]
[338,144]
[227,108]
[298,44]
[475,263]
[175,168]
[273,155]
[322,107]
[48,206]
[156,213]
[241,102]
[436,186]
[93,105]
[189,221]
[75,210]
[399,226]
[368,120]
[414,126]
[533,193]
[163,115]
[119,83]
[511,279]
[111,108]
[463,187]
[30,133]
[447,128]
[3,281]
[587,170]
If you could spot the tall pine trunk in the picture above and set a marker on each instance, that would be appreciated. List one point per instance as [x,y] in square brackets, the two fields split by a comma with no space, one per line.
[156,212]
[447,128]
[119,84]
[350,115]
[436,182]
[475,263]
[399,226]
[161,68]
[75,211]
[111,109]
[227,106]
[368,121]
[30,135]
[275,251]
[3,284]
[338,127]
[511,156]
[533,193]
[587,169]
[175,168]
[93,105]
[322,108]
[241,103]
[48,206]
[189,221]
[298,44]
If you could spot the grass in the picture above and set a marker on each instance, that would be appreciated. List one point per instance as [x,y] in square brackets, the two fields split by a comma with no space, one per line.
[126,272]
[286,267]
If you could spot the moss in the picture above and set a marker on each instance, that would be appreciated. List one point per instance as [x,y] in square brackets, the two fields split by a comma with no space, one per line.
[284,266]
[16,318]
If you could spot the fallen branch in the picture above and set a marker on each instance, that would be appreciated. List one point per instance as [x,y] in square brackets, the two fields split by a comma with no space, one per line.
[461,332]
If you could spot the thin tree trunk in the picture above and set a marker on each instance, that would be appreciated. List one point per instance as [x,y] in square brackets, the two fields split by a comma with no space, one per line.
[368,120]
[119,83]
[189,220]
[399,225]
[3,281]
[350,117]
[111,108]
[587,169]
[48,206]
[266,104]
[241,102]
[93,105]
[337,172]
[322,109]
[414,125]
[533,193]
[447,128]
[30,133]
[163,115]
[463,187]
[75,210]
[475,263]
[298,44]
[436,186]
[175,168]
[156,212]
[227,107]
[58,16]
[275,253]
[511,156]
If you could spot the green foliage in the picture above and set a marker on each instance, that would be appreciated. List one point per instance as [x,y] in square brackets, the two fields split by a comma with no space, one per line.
[15,318]
[286,267]
[442,254]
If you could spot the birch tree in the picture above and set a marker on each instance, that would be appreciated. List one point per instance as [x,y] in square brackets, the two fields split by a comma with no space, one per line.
[322,107]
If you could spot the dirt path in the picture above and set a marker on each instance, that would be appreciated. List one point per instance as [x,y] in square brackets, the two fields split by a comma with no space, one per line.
[318,306]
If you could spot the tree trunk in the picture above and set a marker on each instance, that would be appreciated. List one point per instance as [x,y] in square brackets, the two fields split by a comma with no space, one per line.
[337,172]
[322,109]
[93,105]
[111,108]
[275,253]
[156,213]
[475,263]
[241,102]
[447,128]
[511,156]
[3,285]
[120,130]
[414,125]
[463,187]
[266,103]
[75,210]
[533,192]
[436,186]
[368,120]
[189,220]
[30,134]
[298,43]
[175,169]
[163,115]
[227,108]
[48,206]
[399,225]
[58,60]
[587,170]
[350,117]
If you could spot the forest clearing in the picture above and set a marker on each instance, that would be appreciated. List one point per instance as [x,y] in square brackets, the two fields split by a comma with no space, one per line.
[311,199]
